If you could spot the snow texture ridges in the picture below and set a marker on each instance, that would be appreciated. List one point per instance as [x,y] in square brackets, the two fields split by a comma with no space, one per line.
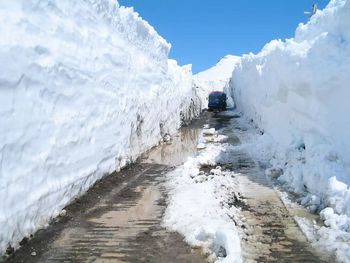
[86,86]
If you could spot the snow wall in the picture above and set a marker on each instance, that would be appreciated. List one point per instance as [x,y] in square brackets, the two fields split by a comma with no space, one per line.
[85,87]
[297,92]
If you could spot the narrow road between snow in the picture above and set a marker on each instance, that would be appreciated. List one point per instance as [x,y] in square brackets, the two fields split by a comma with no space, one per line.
[120,219]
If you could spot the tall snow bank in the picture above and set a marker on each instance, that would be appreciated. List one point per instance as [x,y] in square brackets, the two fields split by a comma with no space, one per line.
[86,86]
[216,78]
[297,92]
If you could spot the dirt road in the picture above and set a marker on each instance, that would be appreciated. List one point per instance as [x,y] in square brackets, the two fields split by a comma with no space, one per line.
[119,219]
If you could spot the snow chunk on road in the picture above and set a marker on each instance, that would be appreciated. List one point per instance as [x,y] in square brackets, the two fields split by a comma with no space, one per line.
[198,206]
[216,139]
[201,146]
[210,131]
[211,135]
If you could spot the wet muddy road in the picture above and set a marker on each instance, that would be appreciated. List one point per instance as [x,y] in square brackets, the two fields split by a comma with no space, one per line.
[267,226]
[119,219]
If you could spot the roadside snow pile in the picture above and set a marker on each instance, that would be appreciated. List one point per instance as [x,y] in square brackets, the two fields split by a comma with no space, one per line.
[199,205]
[297,92]
[86,86]
[216,78]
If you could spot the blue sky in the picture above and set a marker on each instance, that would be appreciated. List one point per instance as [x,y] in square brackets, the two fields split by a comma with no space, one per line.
[203,31]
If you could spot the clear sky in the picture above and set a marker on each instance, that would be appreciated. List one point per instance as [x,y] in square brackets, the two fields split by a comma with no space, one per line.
[203,31]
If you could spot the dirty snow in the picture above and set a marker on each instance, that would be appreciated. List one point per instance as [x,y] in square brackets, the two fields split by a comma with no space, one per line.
[198,203]
[296,92]
[86,86]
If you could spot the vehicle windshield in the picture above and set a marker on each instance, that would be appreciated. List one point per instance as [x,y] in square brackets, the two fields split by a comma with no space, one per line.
[216,96]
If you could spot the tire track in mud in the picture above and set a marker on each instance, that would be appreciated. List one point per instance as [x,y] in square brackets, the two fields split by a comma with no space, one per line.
[270,233]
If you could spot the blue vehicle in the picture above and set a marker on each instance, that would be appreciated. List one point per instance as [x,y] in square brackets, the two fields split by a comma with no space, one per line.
[217,101]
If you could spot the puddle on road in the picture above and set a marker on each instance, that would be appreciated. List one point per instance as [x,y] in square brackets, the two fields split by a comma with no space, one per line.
[182,145]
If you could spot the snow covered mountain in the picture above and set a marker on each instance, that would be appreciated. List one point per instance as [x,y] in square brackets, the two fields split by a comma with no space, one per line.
[216,78]
[297,92]
[86,86]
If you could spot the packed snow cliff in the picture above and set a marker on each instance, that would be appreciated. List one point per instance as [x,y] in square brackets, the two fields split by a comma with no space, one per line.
[297,93]
[86,86]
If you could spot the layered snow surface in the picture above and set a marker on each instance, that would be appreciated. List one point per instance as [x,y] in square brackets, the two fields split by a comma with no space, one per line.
[86,86]
[296,91]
